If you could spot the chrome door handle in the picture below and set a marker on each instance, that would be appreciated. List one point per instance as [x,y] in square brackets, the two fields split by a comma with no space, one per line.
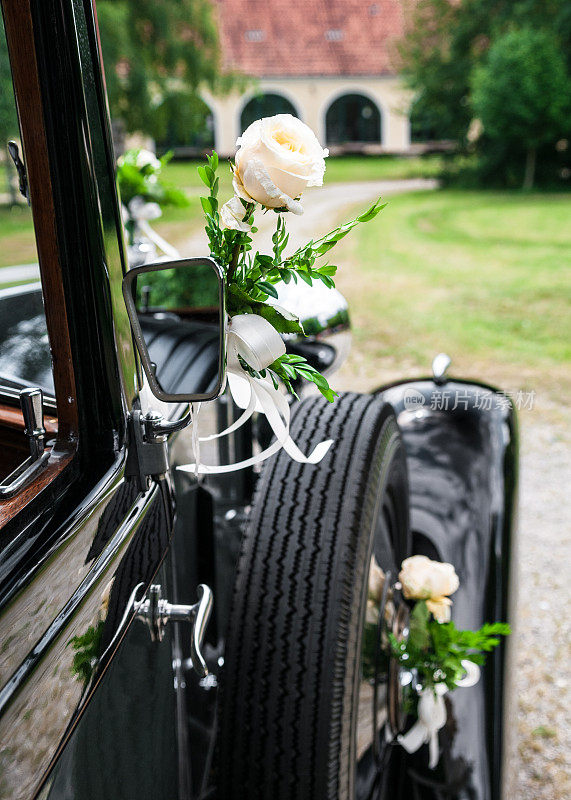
[155,611]
[31,403]
[201,618]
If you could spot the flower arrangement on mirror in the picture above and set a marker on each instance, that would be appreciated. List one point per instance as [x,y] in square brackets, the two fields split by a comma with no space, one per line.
[277,159]
[410,639]
[144,193]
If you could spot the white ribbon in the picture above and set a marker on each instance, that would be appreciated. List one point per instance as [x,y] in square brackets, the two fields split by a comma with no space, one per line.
[432,715]
[141,212]
[257,342]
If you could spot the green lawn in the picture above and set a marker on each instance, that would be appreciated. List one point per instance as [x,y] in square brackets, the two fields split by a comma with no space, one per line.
[484,276]
[339,170]
[18,245]
[178,224]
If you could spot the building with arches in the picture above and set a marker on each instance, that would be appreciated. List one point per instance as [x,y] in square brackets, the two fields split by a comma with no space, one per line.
[329,62]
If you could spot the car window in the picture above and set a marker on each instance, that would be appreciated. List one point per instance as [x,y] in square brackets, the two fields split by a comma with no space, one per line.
[24,347]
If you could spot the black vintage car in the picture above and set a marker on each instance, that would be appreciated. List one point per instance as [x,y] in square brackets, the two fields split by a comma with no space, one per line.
[163,637]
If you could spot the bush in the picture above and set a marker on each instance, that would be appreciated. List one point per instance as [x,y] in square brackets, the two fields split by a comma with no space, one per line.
[521,95]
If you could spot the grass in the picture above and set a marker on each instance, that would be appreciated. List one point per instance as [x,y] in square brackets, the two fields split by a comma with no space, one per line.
[10,284]
[339,170]
[18,245]
[483,276]
[178,224]
[16,235]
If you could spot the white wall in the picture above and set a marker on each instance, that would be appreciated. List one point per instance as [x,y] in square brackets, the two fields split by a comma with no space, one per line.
[312,97]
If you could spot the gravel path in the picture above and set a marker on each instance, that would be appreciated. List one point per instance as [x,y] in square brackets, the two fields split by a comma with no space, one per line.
[543,643]
[322,209]
[20,272]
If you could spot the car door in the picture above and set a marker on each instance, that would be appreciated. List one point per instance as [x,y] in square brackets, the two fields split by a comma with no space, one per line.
[87,698]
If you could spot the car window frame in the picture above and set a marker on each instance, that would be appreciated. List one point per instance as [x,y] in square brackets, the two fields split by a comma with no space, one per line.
[18,25]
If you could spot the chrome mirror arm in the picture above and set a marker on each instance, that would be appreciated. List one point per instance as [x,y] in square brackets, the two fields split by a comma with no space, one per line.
[155,425]
[148,453]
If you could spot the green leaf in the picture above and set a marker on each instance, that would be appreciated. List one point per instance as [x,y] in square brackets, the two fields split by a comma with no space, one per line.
[289,370]
[292,358]
[280,323]
[267,288]
[327,269]
[323,248]
[239,302]
[207,206]
[327,281]
[203,176]
[372,212]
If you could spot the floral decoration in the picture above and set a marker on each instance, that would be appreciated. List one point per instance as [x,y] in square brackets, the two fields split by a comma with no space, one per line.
[429,649]
[142,185]
[277,159]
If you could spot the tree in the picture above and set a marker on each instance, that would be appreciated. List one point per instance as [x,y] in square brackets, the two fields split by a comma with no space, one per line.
[8,118]
[521,93]
[157,55]
[446,40]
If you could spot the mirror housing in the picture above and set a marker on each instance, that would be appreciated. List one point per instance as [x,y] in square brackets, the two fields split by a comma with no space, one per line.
[182,339]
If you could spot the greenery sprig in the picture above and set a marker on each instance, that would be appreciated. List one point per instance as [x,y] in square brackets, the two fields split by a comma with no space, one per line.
[251,277]
[144,180]
[289,368]
[436,649]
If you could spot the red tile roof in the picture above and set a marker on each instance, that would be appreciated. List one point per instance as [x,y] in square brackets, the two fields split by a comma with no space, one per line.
[267,38]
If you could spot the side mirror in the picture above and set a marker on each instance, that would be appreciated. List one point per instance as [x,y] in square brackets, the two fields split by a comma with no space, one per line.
[178,316]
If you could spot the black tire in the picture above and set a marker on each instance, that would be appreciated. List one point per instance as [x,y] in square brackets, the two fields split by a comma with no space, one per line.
[292,662]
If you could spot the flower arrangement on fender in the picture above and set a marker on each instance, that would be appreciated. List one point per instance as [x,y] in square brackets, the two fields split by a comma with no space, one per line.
[277,159]
[436,655]
[434,646]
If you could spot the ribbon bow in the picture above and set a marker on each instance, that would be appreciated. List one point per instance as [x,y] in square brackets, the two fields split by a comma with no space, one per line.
[432,715]
[141,212]
[254,340]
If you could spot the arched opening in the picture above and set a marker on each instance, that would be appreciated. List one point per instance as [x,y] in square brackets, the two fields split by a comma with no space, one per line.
[187,127]
[265,105]
[353,118]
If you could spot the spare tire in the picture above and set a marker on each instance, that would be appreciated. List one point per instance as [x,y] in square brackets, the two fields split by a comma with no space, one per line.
[290,710]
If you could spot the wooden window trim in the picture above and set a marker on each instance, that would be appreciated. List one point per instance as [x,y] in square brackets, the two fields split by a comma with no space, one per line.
[19,29]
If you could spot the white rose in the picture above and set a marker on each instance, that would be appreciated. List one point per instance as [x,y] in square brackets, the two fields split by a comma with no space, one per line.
[439,607]
[423,579]
[277,159]
[372,613]
[147,159]
[376,581]
[232,215]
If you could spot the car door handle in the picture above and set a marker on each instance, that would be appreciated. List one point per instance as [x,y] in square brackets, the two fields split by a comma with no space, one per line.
[31,403]
[156,612]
